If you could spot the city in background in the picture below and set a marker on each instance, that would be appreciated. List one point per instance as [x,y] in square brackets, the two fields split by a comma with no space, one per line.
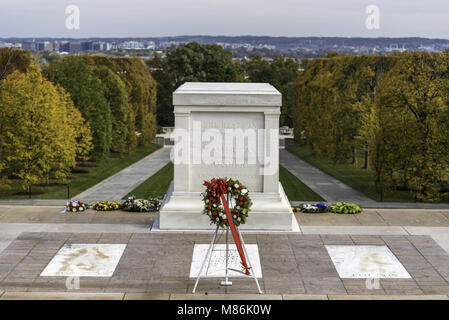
[242,47]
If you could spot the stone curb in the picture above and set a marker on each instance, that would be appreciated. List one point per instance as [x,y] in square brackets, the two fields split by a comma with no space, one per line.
[190,296]
[388,297]
[355,230]
[13,295]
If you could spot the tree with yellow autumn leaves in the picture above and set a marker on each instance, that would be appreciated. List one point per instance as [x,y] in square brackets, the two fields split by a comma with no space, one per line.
[42,134]
[394,107]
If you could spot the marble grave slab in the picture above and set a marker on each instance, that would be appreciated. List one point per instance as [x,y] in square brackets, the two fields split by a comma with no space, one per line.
[85,260]
[364,261]
[217,264]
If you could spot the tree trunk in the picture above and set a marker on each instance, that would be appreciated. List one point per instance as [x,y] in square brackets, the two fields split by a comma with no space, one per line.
[354,156]
[366,161]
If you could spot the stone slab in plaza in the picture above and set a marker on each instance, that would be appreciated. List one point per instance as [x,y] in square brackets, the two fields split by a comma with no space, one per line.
[85,260]
[226,130]
[216,266]
[362,262]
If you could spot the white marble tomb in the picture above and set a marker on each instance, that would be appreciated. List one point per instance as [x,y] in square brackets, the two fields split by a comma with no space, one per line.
[205,113]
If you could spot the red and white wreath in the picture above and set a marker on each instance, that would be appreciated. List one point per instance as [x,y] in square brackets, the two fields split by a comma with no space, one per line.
[235,192]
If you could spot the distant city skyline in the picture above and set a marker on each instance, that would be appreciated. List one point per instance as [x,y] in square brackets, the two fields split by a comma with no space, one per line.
[293,18]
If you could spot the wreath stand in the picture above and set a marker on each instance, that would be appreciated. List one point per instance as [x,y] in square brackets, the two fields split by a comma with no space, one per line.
[208,257]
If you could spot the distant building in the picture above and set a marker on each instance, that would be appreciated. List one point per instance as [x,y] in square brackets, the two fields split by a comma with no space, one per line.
[106,46]
[86,46]
[136,45]
[55,46]
[29,45]
[10,45]
[96,46]
[75,47]
[151,45]
[64,47]
[45,46]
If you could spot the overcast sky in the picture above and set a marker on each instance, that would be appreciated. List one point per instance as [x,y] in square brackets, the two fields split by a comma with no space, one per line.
[146,18]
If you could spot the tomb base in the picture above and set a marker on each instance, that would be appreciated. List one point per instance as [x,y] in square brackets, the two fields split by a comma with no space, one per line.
[184,211]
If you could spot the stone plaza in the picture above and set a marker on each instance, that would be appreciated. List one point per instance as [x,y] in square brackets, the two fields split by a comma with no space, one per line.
[160,263]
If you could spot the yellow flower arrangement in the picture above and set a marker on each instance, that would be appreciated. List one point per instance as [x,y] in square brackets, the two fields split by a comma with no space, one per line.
[106,206]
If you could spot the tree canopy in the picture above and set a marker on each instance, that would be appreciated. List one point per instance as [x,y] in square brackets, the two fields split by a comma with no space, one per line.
[141,89]
[395,108]
[189,63]
[41,132]
[281,73]
[87,92]
[12,60]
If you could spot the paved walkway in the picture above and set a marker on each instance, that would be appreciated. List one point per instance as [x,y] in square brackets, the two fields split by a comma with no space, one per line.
[326,186]
[333,190]
[119,185]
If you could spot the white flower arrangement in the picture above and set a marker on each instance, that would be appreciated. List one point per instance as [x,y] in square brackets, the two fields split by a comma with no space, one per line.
[75,206]
[313,208]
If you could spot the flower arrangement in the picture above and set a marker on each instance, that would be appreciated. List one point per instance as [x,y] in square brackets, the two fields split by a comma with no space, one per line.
[76,206]
[140,205]
[314,208]
[235,192]
[155,204]
[106,206]
[345,208]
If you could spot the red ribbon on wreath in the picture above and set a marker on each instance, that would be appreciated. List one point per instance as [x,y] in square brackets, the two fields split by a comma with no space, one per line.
[219,187]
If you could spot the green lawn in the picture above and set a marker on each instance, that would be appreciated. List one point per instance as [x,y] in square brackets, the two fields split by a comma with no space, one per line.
[94,172]
[156,186]
[359,179]
[295,189]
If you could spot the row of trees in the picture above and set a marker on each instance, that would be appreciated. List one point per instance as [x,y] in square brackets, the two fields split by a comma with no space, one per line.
[76,109]
[117,97]
[42,134]
[211,63]
[395,108]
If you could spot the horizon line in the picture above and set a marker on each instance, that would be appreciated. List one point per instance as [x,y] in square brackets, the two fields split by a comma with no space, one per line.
[225,36]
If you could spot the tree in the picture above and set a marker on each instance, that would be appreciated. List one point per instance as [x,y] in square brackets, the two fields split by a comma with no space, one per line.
[117,98]
[86,90]
[281,73]
[41,133]
[11,60]
[141,89]
[191,62]
[331,96]
[413,104]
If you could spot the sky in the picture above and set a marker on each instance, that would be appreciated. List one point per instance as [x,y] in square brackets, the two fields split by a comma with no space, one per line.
[294,18]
